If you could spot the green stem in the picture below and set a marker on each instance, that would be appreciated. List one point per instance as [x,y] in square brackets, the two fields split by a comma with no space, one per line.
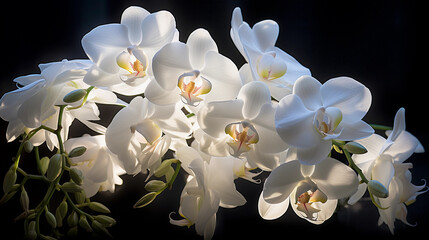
[176,172]
[59,128]
[380,127]
[51,190]
[350,160]
[169,185]
[37,155]
[76,208]
[27,138]
[190,115]
[354,166]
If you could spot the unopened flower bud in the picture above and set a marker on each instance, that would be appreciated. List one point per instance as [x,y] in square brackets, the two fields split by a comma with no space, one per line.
[28,147]
[72,219]
[50,218]
[7,196]
[24,200]
[55,166]
[72,232]
[44,237]
[154,185]
[145,200]
[9,179]
[31,231]
[105,220]
[62,209]
[78,151]
[355,148]
[83,223]
[98,207]
[74,95]
[98,227]
[377,189]
[76,175]
[60,213]
[71,187]
[80,197]
[164,167]
[44,163]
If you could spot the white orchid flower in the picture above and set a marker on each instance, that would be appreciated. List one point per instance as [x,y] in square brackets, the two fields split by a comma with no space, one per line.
[315,114]
[241,126]
[193,72]
[378,163]
[136,133]
[313,190]
[123,52]
[198,203]
[222,171]
[210,185]
[401,194]
[267,63]
[33,104]
[99,166]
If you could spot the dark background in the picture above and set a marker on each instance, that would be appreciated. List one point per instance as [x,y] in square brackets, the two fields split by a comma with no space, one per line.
[382,44]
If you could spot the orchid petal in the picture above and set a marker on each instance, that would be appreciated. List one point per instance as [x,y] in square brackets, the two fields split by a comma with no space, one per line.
[294,123]
[221,179]
[269,139]
[254,95]
[224,76]
[358,194]
[132,17]
[11,100]
[294,68]
[383,170]
[335,179]
[169,63]
[200,43]
[99,78]
[350,96]
[398,125]
[25,80]
[272,211]
[308,89]
[403,147]
[158,95]
[104,43]
[30,112]
[172,121]
[266,32]
[216,147]
[277,187]
[214,116]
[314,155]
[354,131]
[373,144]
[236,21]
[158,29]
[186,155]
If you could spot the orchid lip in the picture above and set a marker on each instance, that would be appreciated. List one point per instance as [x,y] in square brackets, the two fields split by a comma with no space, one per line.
[135,62]
[192,85]
[326,121]
[243,135]
[271,67]
[306,200]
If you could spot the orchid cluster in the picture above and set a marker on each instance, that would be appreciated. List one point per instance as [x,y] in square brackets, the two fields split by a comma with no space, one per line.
[218,122]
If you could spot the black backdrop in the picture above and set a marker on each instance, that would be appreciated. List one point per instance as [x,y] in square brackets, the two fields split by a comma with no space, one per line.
[379,43]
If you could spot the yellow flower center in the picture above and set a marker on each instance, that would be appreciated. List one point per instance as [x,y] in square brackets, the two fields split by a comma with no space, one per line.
[243,135]
[270,67]
[192,85]
[135,62]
